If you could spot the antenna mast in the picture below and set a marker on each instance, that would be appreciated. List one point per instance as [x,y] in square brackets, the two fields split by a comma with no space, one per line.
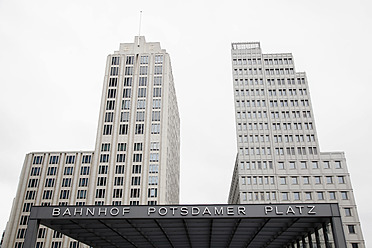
[139,30]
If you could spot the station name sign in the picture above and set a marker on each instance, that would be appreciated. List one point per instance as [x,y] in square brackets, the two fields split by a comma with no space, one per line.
[187,211]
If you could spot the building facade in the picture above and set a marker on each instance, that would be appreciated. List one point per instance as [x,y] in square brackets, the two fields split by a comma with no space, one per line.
[136,160]
[279,159]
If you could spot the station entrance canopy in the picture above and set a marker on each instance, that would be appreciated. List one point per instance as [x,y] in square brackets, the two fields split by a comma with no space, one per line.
[252,225]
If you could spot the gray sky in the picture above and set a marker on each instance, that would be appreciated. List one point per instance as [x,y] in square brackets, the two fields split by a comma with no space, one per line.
[53,54]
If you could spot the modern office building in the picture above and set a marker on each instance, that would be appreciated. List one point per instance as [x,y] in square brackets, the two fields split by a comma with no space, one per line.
[136,157]
[279,160]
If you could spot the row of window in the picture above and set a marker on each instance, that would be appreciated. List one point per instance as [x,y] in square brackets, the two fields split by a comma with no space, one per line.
[139,129]
[296,196]
[251,61]
[144,59]
[54,159]
[269,82]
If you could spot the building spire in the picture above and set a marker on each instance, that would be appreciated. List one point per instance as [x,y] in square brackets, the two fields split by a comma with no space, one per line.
[139,29]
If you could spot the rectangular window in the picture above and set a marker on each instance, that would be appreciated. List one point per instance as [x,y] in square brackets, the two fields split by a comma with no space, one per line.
[158,70]
[122,146]
[139,128]
[136,181]
[123,129]
[157,92]
[155,128]
[144,59]
[86,159]
[84,170]
[37,160]
[53,159]
[157,81]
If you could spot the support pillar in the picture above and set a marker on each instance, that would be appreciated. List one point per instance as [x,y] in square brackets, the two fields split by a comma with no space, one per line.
[31,233]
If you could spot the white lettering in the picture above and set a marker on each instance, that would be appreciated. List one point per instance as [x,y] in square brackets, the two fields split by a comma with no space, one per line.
[150,210]
[114,213]
[90,211]
[300,208]
[241,210]
[80,212]
[102,210]
[195,210]
[184,211]
[206,211]
[268,209]
[290,210]
[165,211]
[230,210]
[311,210]
[126,210]
[56,212]
[173,209]
[216,212]
[277,212]
[66,212]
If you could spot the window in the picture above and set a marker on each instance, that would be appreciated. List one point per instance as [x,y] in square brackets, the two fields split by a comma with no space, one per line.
[141,92]
[292,165]
[128,70]
[141,104]
[308,195]
[107,129]
[154,157]
[157,92]
[32,183]
[37,160]
[130,60]
[332,195]
[127,93]
[127,81]
[82,194]
[135,193]
[86,159]
[68,170]
[347,211]
[110,105]
[155,128]
[158,70]
[315,165]
[154,146]
[136,169]
[294,180]
[64,194]
[344,195]
[100,193]
[139,128]
[119,181]
[102,169]
[138,146]
[317,180]
[144,59]
[66,182]
[125,104]
[143,70]
[122,146]
[341,179]
[326,165]
[303,165]
[285,196]
[351,228]
[123,129]
[337,164]
[51,171]
[83,182]
[104,158]
[153,180]
[53,159]
[119,169]
[155,116]
[320,195]
[47,194]
[136,181]
[156,103]
[152,192]
[111,93]
[296,195]
[282,180]
[113,82]
[157,81]
[117,193]
[153,168]
[137,157]
[158,59]
[281,165]
[84,170]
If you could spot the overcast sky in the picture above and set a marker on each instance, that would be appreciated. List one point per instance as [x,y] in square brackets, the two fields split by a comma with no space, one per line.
[52,60]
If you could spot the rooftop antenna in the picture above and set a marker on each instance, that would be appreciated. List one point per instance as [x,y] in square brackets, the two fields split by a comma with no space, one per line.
[139,29]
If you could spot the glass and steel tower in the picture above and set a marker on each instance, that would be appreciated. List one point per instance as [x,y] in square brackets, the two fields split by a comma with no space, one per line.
[136,158]
[279,160]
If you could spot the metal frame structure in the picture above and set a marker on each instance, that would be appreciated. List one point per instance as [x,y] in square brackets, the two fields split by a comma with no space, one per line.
[255,225]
